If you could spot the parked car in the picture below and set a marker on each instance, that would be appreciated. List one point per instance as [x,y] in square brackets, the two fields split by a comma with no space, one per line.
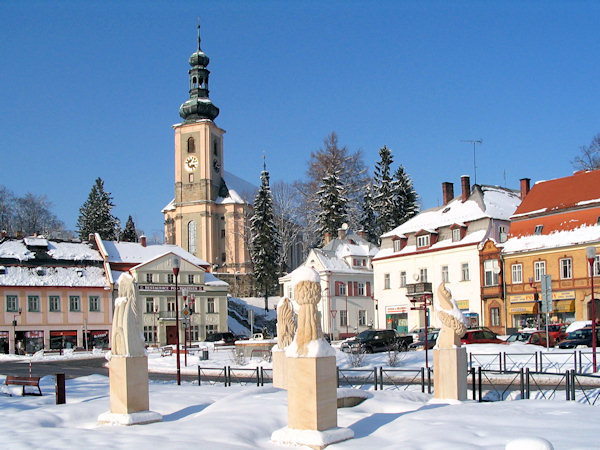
[573,326]
[558,331]
[226,338]
[431,341]
[371,341]
[531,337]
[480,336]
[582,337]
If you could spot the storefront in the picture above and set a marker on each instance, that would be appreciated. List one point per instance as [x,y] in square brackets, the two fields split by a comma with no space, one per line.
[29,342]
[396,318]
[471,318]
[63,339]
[97,339]
[4,342]
[524,314]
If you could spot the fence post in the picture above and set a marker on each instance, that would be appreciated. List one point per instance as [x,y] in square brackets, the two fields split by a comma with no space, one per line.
[568,384]
[479,382]
[573,385]
[199,375]
[381,378]
[541,362]
[575,359]
[375,376]
[504,357]
[580,366]
[227,375]
[522,384]
[536,363]
[257,376]
[527,391]
[423,380]
[470,360]
[472,370]
[500,361]
[61,397]
[262,376]
[428,380]
[337,375]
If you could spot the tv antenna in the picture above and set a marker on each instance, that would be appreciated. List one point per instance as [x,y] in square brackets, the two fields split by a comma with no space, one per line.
[474,141]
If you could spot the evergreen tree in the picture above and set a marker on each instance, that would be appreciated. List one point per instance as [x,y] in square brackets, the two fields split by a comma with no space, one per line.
[383,201]
[95,215]
[265,245]
[129,233]
[332,205]
[405,198]
[368,221]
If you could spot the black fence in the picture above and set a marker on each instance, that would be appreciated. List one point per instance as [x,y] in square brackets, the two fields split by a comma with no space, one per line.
[556,362]
[227,374]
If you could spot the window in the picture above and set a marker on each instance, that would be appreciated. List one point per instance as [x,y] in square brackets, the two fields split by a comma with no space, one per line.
[361,289]
[423,241]
[222,234]
[538,229]
[74,303]
[517,273]
[539,270]
[12,303]
[386,280]
[148,278]
[566,268]
[445,276]
[190,279]
[192,237]
[362,317]
[191,145]
[33,303]
[456,235]
[194,333]
[343,318]
[171,304]
[402,279]
[342,288]
[423,275]
[149,305]
[210,329]
[94,303]
[397,245]
[464,272]
[502,235]
[215,148]
[170,278]
[596,266]
[210,305]
[491,272]
[54,303]
[149,333]
[495,317]
[190,177]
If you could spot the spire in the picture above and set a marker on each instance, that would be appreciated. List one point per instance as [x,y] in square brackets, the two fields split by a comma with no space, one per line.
[198,106]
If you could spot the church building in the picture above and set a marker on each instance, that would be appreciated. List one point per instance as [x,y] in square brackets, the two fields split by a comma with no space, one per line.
[210,214]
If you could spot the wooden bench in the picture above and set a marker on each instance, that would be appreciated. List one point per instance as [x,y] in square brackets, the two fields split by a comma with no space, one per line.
[24,381]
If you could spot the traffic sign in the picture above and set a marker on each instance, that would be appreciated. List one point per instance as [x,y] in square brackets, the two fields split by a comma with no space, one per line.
[186,312]
[547,293]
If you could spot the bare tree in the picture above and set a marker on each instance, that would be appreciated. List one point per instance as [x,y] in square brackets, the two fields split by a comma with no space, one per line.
[7,199]
[589,159]
[286,212]
[33,215]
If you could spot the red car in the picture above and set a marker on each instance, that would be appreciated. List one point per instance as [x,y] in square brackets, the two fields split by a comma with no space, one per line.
[558,331]
[480,336]
[532,337]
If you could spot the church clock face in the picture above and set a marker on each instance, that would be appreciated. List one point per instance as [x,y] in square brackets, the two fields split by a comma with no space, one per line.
[191,163]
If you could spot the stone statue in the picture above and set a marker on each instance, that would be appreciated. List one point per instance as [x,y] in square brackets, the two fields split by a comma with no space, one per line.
[452,319]
[285,324]
[307,294]
[126,337]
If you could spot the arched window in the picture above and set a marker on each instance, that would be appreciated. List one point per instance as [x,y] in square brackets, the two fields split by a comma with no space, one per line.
[215,148]
[192,237]
[191,146]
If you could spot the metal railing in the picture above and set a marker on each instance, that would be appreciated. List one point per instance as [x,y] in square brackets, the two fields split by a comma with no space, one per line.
[554,362]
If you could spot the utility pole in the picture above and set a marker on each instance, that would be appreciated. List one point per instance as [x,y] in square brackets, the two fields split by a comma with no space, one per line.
[474,141]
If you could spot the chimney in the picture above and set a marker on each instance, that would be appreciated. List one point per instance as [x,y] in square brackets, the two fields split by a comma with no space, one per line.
[341,233]
[362,234]
[91,237]
[466,187]
[143,240]
[327,238]
[3,234]
[448,191]
[19,235]
[525,183]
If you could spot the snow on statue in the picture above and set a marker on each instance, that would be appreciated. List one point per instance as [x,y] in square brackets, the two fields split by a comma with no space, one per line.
[285,323]
[452,319]
[307,291]
[126,336]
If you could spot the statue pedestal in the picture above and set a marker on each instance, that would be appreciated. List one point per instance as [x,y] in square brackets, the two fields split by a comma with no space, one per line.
[450,373]
[312,404]
[129,405]
[279,369]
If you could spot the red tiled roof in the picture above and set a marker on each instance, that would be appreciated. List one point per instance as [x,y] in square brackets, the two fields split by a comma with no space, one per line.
[561,193]
[567,220]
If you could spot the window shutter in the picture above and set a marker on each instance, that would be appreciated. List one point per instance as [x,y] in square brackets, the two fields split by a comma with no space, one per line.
[368,288]
[337,288]
[356,288]
[350,293]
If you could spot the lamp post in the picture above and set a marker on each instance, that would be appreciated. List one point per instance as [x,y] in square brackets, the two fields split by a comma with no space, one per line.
[591,257]
[536,300]
[154,331]
[185,325]
[15,330]
[176,264]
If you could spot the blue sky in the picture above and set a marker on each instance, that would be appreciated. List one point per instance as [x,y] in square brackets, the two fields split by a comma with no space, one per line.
[91,89]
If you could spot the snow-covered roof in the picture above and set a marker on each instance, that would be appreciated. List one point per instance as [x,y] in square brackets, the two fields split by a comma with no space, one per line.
[71,251]
[582,235]
[136,253]
[499,203]
[211,280]
[471,238]
[240,191]
[53,276]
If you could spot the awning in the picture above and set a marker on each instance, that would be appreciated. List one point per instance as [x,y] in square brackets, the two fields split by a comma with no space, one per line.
[524,308]
[565,306]
[63,333]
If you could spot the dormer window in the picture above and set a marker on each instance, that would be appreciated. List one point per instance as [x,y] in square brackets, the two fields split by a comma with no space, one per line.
[456,235]
[538,229]
[397,245]
[423,241]
[399,242]
[2,270]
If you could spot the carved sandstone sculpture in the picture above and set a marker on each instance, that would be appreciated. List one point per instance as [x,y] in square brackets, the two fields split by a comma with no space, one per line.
[285,324]
[126,335]
[308,294]
[452,319]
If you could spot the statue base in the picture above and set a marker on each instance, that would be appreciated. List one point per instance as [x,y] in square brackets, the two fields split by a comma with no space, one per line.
[279,369]
[128,377]
[311,438]
[137,418]
[450,373]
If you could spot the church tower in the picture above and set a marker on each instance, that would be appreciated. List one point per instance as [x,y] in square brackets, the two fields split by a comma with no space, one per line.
[203,218]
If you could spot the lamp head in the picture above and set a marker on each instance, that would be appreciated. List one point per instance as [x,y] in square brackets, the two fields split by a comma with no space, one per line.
[175,263]
[591,252]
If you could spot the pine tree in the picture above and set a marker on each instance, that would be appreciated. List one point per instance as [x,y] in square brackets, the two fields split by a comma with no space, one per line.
[332,204]
[406,199]
[368,221]
[95,215]
[265,245]
[129,233]
[383,201]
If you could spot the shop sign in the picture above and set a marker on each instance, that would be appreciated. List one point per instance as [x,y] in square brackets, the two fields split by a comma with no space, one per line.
[99,334]
[63,333]
[168,287]
[396,309]
[3,334]
[463,304]
[34,334]
[563,295]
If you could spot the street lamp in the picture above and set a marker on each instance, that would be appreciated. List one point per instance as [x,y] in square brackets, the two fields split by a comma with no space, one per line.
[591,257]
[176,263]
[536,298]
[154,331]
[15,330]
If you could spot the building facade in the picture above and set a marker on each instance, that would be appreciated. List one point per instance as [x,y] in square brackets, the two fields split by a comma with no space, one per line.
[441,244]
[54,295]
[344,266]
[210,212]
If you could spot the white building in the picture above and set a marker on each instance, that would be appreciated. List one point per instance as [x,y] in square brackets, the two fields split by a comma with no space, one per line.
[441,244]
[344,266]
